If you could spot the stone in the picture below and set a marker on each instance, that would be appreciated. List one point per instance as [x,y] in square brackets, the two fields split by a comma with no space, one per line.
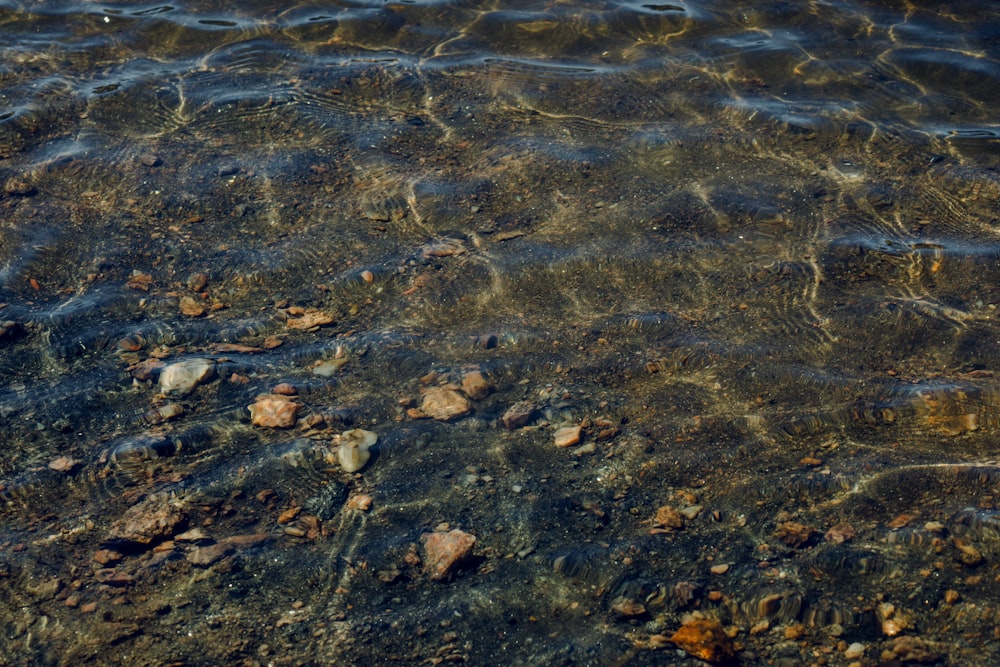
[197,282]
[704,639]
[63,464]
[361,502]
[353,452]
[840,533]
[205,556]
[143,524]
[568,436]
[668,517]
[854,651]
[274,411]
[793,534]
[518,415]
[444,551]
[444,403]
[190,307]
[310,319]
[475,385]
[182,377]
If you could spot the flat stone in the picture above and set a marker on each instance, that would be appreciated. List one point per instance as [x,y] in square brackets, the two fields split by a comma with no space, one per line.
[274,411]
[148,522]
[444,403]
[183,376]
[443,551]
[567,436]
[205,556]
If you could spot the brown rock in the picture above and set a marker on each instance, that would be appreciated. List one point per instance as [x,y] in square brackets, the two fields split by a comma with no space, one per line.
[196,282]
[475,385]
[310,319]
[704,639]
[445,551]
[913,649]
[190,307]
[285,389]
[148,522]
[205,556]
[840,533]
[444,403]
[567,436]
[362,502]
[107,556]
[793,534]
[518,415]
[668,517]
[274,411]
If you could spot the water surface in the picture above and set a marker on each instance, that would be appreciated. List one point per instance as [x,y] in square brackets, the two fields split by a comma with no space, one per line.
[751,250]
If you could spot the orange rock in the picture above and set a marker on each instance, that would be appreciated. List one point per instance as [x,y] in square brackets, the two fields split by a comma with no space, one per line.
[443,551]
[274,411]
[475,385]
[362,502]
[567,436]
[190,307]
[670,518]
[704,639]
[444,403]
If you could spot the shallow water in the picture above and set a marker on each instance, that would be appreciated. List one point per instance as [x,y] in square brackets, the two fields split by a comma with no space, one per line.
[751,250]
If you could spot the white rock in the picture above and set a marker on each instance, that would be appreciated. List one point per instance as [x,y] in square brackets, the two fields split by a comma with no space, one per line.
[353,452]
[183,376]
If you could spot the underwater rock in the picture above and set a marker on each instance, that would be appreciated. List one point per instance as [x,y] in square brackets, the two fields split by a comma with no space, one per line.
[475,385]
[567,436]
[704,639]
[274,411]
[148,522]
[444,403]
[353,452]
[183,376]
[518,415]
[444,551]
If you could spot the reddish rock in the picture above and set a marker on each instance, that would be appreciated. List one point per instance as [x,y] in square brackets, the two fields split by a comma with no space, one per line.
[274,411]
[518,415]
[704,639]
[444,403]
[445,551]
[148,522]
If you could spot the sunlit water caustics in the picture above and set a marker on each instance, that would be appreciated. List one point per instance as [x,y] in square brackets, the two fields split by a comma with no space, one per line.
[510,333]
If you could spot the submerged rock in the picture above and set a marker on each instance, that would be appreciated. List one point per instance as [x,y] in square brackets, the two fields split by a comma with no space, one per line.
[274,411]
[444,403]
[445,551]
[183,376]
[704,639]
[353,452]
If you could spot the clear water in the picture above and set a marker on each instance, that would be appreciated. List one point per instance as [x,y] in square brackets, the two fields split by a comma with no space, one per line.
[751,249]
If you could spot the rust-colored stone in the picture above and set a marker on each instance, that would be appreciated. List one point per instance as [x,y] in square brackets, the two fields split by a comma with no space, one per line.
[444,551]
[704,639]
